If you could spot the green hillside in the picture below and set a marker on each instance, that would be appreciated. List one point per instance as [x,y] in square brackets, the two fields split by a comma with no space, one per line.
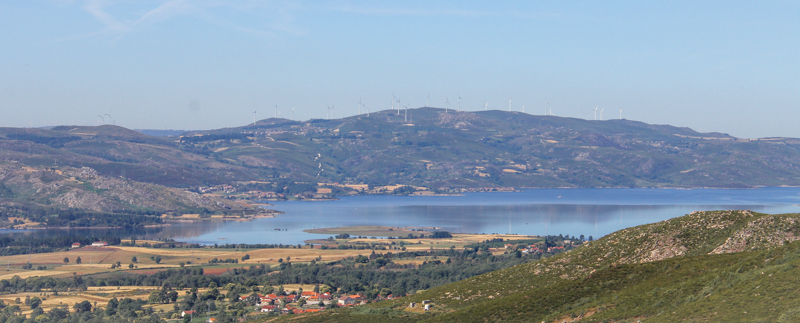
[717,266]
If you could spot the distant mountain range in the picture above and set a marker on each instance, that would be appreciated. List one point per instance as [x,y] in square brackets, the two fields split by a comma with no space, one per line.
[428,148]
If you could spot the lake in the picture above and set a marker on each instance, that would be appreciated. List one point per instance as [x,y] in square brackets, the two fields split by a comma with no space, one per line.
[591,212]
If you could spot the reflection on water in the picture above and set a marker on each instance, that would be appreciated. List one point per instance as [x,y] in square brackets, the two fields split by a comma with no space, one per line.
[594,212]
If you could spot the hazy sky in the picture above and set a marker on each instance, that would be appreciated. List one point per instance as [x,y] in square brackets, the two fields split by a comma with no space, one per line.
[722,66]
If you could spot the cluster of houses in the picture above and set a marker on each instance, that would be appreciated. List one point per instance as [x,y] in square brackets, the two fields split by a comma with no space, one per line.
[267,303]
[262,194]
[225,188]
[270,303]
[98,244]
[532,249]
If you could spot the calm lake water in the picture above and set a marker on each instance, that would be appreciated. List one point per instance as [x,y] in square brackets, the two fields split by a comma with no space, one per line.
[591,212]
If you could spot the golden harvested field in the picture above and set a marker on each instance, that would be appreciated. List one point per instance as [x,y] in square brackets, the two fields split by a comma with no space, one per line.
[294,287]
[271,256]
[458,239]
[50,301]
[99,260]
[31,273]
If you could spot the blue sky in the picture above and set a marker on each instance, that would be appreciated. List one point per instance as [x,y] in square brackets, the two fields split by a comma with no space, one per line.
[722,66]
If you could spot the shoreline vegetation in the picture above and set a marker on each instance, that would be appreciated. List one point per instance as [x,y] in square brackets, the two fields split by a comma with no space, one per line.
[195,217]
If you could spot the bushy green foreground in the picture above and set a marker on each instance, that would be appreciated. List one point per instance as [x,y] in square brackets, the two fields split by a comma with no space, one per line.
[718,266]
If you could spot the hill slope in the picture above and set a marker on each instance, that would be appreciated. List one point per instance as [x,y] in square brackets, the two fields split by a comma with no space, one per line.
[432,148]
[719,266]
[498,148]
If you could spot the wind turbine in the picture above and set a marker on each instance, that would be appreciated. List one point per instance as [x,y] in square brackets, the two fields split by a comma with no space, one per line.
[595,113]
[276,111]
[485,106]
[328,115]
[428,101]
[509,104]
[332,107]
[545,108]
[366,107]
[446,104]
[254,117]
[398,106]
[359,105]
[293,113]
[523,109]
[110,118]
[406,106]
[459,102]
[620,114]
[393,99]
[601,113]
[102,120]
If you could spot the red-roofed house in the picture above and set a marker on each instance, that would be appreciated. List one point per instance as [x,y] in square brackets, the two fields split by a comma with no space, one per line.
[349,300]
[76,245]
[309,294]
[268,308]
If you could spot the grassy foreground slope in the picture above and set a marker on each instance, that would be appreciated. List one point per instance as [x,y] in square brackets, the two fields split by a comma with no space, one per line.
[723,266]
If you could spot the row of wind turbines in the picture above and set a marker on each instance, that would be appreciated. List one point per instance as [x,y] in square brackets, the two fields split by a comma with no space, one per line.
[396,100]
[111,121]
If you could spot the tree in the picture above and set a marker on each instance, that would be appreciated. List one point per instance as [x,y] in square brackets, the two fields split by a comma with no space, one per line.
[233,296]
[134,259]
[172,296]
[301,301]
[66,260]
[222,317]
[111,308]
[35,302]
[78,260]
[84,306]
